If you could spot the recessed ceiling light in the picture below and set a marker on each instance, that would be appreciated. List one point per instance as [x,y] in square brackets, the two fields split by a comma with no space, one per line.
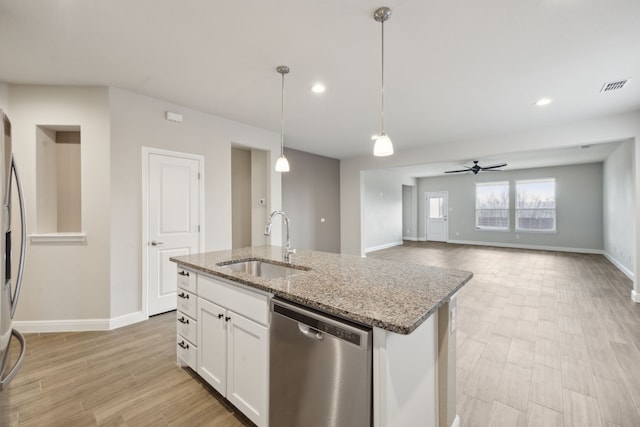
[543,101]
[318,88]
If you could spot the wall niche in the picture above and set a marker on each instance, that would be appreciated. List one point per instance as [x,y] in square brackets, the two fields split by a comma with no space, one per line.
[58,179]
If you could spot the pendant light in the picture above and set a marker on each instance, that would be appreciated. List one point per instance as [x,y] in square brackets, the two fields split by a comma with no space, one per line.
[282,164]
[382,146]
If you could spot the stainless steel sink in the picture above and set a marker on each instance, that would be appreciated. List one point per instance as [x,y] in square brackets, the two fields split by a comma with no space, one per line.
[263,269]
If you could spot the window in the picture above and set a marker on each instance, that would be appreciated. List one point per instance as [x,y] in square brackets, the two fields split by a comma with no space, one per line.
[492,205]
[436,209]
[536,205]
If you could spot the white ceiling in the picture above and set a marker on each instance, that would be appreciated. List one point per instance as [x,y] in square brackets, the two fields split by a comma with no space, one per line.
[454,69]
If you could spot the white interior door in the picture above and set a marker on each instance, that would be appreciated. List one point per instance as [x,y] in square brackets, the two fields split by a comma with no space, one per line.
[437,208]
[172,222]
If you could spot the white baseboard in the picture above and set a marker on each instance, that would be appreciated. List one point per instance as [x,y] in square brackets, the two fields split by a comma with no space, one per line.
[380,247]
[635,296]
[456,421]
[533,247]
[127,319]
[617,263]
[83,325]
[411,239]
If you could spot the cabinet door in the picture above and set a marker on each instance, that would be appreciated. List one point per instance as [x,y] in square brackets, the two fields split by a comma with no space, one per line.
[212,344]
[247,368]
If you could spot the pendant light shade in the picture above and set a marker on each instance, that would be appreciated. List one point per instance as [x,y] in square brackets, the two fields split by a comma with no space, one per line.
[282,164]
[382,146]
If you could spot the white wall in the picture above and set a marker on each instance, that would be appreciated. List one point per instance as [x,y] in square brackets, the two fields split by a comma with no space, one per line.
[66,281]
[138,121]
[618,203]
[382,210]
[578,207]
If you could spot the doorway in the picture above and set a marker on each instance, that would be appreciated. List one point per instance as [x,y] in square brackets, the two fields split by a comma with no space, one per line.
[172,221]
[250,180]
[437,209]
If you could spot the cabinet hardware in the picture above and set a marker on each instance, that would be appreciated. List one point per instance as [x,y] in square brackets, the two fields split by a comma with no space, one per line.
[226,319]
[183,320]
[183,295]
[156,243]
[184,273]
[183,345]
[220,316]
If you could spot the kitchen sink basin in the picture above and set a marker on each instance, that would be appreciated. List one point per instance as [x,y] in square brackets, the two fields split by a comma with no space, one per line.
[263,269]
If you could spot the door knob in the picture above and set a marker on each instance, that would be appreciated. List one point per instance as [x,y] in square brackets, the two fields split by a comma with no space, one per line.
[156,243]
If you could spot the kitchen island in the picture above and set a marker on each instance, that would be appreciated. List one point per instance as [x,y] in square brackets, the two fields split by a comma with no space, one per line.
[411,309]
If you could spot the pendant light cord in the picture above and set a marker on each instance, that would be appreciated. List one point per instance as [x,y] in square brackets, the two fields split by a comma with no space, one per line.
[382,85]
[282,120]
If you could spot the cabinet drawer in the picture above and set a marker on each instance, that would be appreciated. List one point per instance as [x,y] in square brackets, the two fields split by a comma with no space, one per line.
[243,301]
[187,303]
[187,352]
[187,279]
[187,327]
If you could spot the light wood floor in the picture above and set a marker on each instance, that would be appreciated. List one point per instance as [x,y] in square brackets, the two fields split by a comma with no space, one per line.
[125,377]
[544,339]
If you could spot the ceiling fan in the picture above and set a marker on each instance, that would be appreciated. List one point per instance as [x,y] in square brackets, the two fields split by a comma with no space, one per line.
[477,168]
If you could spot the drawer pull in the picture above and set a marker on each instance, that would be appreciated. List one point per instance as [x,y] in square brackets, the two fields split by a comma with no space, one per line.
[220,316]
[226,319]
[183,345]
[184,273]
[183,320]
[183,295]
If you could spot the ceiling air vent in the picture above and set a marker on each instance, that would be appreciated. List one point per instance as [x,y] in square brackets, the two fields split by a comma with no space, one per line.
[618,84]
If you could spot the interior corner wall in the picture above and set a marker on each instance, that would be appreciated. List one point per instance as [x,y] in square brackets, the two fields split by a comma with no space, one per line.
[410,212]
[310,193]
[138,121]
[578,207]
[64,282]
[382,210]
[618,208]
[4,98]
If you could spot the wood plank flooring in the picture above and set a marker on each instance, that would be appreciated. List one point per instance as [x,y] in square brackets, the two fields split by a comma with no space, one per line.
[125,377]
[544,339]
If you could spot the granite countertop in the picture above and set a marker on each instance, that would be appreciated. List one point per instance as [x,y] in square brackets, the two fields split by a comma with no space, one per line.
[394,296]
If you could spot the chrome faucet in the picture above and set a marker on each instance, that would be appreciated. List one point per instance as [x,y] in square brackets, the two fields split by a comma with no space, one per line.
[286,251]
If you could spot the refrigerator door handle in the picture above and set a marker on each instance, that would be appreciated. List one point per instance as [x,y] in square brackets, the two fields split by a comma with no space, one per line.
[4,382]
[23,239]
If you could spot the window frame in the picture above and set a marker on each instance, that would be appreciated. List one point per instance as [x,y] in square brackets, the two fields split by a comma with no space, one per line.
[518,209]
[507,209]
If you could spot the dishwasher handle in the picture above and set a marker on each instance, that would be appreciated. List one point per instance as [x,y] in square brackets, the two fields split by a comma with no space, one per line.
[308,331]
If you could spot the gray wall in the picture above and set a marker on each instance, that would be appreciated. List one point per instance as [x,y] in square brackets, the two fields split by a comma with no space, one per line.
[409,212]
[579,213]
[382,209]
[240,198]
[310,192]
[619,224]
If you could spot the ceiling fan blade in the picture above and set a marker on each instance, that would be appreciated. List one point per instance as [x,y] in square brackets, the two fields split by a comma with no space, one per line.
[484,168]
[462,170]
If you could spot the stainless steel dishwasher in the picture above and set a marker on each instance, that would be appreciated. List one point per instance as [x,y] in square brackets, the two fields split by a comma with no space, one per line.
[320,370]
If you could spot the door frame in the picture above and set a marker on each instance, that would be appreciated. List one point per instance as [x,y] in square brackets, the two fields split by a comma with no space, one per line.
[146,153]
[426,214]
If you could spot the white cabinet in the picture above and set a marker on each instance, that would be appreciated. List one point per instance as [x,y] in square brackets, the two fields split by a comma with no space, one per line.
[231,341]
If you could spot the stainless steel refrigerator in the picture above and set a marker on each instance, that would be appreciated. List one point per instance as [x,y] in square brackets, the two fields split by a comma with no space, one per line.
[10,290]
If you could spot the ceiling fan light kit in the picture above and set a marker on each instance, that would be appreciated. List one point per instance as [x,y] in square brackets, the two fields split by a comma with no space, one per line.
[477,168]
